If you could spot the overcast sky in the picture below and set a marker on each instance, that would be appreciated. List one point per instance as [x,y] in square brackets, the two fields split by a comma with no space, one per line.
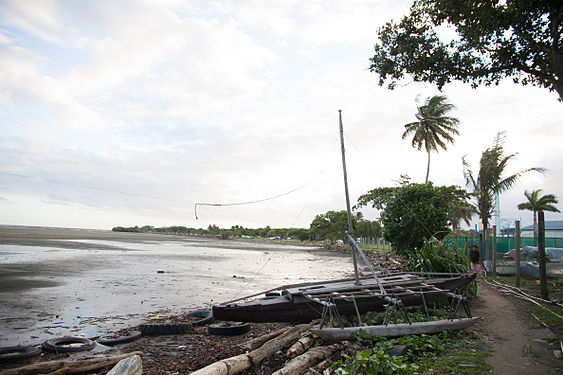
[129,112]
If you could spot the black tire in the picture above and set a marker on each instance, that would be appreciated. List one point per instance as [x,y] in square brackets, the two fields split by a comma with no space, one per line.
[61,344]
[18,353]
[228,328]
[206,317]
[165,329]
[111,340]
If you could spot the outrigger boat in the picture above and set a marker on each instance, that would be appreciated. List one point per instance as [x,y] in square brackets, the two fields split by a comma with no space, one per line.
[305,302]
[355,296]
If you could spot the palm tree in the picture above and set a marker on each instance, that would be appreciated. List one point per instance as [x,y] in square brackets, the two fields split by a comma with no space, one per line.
[489,181]
[433,128]
[536,203]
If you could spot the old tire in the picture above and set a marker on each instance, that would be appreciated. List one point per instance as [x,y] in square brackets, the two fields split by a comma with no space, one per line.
[165,329]
[228,328]
[205,317]
[68,344]
[111,340]
[18,353]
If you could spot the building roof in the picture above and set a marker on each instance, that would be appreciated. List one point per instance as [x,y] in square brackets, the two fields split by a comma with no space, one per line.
[549,225]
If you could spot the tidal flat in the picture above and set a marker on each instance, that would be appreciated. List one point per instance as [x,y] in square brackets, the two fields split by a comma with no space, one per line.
[63,281]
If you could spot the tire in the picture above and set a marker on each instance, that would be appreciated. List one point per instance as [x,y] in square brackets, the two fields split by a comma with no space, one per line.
[60,344]
[206,316]
[165,329]
[18,353]
[228,328]
[111,340]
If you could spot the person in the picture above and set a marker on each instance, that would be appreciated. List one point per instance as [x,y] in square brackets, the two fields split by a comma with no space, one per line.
[475,258]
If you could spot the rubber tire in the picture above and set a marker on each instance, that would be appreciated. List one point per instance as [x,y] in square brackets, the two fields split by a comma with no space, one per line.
[228,328]
[165,329]
[56,345]
[116,340]
[205,315]
[18,353]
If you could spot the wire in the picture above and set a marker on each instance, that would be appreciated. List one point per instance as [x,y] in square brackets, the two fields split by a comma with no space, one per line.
[93,187]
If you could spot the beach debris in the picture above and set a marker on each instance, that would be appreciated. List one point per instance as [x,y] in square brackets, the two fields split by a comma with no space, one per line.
[259,341]
[302,363]
[128,366]
[242,362]
[67,367]
[301,345]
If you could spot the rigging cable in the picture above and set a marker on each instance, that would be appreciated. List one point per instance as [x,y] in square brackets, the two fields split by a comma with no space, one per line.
[258,200]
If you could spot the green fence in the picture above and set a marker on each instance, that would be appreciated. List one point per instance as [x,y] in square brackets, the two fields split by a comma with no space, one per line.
[504,244]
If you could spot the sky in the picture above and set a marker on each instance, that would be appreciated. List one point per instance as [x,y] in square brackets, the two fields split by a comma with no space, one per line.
[130,112]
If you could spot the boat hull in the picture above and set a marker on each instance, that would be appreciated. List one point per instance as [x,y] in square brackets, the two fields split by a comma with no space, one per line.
[284,309]
[396,330]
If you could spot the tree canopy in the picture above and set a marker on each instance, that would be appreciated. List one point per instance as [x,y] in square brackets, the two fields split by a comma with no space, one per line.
[489,180]
[433,128]
[520,39]
[536,203]
[414,212]
[332,225]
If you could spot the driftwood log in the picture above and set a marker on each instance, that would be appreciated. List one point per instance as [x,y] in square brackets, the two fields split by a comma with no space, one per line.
[319,368]
[259,341]
[300,346]
[242,362]
[69,367]
[300,364]
[128,366]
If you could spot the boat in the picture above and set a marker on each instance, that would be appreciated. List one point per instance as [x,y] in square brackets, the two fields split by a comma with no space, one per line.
[395,330]
[305,302]
[354,296]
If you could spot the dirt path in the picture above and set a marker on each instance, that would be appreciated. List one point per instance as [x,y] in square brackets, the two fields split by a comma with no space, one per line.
[517,347]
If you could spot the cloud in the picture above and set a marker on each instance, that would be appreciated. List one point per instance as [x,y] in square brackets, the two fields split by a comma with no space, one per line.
[225,102]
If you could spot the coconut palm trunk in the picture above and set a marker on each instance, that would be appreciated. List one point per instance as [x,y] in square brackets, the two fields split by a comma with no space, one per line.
[535,225]
[427,168]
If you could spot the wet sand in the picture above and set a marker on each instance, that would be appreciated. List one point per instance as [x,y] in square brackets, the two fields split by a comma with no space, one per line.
[56,281]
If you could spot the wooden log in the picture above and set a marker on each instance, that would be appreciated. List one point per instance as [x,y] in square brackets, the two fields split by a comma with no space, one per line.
[227,366]
[128,366]
[300,346]
[242,362]
[259,341]
[68,367]
[300,364]
[319,368]
[285,339]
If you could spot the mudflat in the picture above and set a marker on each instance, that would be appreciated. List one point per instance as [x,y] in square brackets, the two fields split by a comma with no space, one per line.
[56,281]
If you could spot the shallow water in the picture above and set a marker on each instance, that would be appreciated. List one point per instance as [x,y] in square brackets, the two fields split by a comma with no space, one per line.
[94,286]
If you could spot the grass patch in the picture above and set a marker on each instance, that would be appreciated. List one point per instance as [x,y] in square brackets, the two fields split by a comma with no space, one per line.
[370,247]
[466,354]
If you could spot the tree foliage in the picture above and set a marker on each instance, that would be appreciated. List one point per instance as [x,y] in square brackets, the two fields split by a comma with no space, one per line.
[433,128]
[489,180]
[521,39]
[538,203]
[413,212]
[332,225]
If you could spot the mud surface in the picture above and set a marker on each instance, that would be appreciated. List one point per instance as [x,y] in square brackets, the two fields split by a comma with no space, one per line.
[58,281]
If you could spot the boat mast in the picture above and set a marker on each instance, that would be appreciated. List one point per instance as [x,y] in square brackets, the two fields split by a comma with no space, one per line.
[350,226]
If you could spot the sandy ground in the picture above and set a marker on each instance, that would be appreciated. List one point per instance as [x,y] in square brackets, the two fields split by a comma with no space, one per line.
[58,281]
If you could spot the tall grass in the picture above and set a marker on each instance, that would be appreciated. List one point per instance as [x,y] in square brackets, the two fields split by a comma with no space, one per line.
[435,256]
